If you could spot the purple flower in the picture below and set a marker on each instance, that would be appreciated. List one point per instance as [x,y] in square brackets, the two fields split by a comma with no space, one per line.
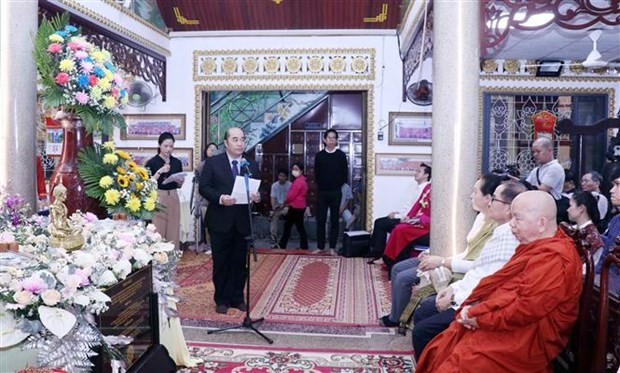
[34,284]
[14,202]
[81,97]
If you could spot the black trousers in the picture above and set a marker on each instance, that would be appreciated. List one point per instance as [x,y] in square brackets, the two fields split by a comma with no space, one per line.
[294,217]
[380,230]
[229,267]
[428,323]
[328,199]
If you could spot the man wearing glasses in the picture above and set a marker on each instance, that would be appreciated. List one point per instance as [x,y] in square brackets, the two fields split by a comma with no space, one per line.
[437,312]
[331,170]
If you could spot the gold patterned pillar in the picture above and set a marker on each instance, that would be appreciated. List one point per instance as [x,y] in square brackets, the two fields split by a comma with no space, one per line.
[18,89]
[456,47]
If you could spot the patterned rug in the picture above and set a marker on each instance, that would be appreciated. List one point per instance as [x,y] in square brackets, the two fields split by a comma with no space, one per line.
[291,289]
[244,359]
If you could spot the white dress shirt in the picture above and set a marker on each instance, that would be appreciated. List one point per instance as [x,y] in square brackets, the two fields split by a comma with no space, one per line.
[496,252]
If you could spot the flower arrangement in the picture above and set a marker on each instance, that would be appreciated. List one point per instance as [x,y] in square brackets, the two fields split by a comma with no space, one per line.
[16,223]
[78,76]
[118,182]
[48,295]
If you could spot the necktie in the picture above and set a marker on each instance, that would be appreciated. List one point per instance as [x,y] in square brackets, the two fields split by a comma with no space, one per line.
[235,169]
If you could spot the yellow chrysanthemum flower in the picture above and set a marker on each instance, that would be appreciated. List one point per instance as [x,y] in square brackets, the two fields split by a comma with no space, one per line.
[109,102]
[123,154]
[133,204]
[56,38]
[124,100]
[104,84]
[153,195]
[106,54]
[110,158]
[112,197]
[66,65]
[123,180]
[98,56]
[144,174]
[149,204]
[106,182]
[121,170]
[108,74]
[109,145]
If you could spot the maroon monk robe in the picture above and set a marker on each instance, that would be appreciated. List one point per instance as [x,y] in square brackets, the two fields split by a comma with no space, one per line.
[524,312]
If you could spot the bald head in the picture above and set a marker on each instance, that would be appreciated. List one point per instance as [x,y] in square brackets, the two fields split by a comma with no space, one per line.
[533,216]
[542,150]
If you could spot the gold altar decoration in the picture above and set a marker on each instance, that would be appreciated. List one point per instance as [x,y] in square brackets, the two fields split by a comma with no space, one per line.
[62,234]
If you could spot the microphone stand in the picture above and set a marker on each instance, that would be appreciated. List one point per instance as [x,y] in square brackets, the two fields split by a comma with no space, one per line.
[248,323]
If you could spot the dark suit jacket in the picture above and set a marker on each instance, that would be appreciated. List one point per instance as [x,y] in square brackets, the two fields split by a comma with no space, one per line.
[216,179]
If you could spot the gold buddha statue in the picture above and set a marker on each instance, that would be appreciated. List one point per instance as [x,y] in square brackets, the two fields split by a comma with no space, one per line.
[61,233]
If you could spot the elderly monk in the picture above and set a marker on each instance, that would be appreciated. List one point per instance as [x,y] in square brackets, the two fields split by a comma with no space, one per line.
[518,319]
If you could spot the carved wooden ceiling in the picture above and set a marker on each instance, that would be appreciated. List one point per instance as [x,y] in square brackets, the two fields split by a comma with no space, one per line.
[227,15]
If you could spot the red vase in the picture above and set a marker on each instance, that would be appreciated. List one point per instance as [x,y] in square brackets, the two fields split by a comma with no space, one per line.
[75,139]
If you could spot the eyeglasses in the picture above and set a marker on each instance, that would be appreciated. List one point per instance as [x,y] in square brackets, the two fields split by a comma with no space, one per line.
[493,198]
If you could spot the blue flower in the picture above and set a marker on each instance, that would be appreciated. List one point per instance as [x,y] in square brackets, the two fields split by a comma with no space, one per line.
[83,80]
[61,33]
[70,29]
[123,92]
[110,66]
[88,59]
[98,72]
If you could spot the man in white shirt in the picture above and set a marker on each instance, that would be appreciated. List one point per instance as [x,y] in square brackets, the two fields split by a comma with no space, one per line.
[437,312]
[591,182]
[549,175]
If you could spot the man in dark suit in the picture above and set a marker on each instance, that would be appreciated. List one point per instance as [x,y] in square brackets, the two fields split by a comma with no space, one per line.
[228,222]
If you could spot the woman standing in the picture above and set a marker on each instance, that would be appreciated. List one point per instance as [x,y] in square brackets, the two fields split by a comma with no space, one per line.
[162,166]
[296,202]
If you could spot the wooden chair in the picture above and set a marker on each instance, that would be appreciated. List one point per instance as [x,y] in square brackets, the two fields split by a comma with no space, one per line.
[606,343]
[576,357]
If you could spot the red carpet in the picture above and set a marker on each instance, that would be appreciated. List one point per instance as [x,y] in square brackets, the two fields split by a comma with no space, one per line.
[237,358]
[291,289]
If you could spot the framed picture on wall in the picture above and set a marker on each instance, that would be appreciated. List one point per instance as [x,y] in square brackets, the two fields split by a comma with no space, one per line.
[399,164]
[186,156]
[140,155]
[410,128]
[150,126]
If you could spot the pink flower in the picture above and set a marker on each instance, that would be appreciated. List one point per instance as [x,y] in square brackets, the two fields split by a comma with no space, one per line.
[92,80]
[73,45]
[118,79]
[81,97]
[90,217]
[115,92]
[62,78]
[87,67]
[83,275]
[34,284]
[81,55]
[54,48]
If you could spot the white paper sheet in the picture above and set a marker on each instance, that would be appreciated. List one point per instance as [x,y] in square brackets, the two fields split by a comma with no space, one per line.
[178,178]
[238,191]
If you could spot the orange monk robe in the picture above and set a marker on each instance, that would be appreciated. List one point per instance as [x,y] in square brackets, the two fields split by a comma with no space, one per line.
[524,313]
[403,234]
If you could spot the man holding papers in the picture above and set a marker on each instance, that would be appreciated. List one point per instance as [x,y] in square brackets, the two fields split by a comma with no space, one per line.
[227,219]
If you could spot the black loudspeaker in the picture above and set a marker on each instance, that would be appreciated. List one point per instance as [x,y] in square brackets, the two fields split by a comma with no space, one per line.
[355,244]
[155,359]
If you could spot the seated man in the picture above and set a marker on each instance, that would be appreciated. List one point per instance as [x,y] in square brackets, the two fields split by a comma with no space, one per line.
[613,229]
[279,189]
[405,274]
[436,313]
[385,225]
[518,319]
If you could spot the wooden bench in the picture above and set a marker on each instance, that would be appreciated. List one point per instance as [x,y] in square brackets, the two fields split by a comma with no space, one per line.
[607,347]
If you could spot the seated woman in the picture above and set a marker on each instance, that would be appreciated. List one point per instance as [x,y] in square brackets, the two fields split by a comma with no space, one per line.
[583,211]
[405,274]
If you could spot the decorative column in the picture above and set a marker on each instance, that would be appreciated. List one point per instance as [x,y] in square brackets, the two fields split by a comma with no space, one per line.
[18,90]
[456,53]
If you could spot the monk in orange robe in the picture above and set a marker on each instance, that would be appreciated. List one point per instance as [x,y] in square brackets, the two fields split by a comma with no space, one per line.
[518,319]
